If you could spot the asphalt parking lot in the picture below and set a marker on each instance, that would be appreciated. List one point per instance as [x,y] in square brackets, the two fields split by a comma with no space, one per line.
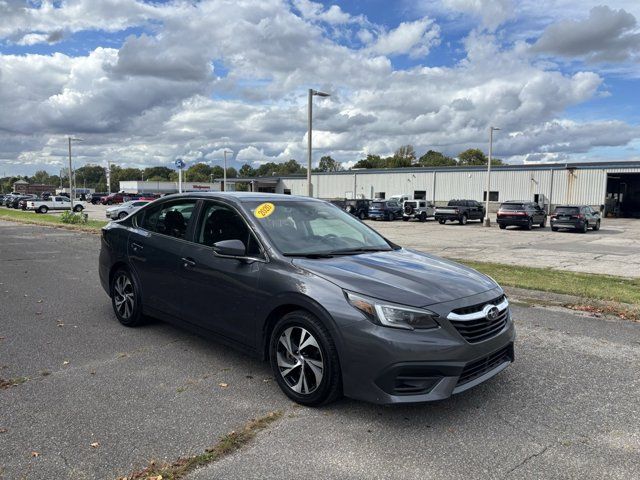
[567,408]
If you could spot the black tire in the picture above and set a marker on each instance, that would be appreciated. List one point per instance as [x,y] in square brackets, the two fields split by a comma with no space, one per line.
[77,208]
[463,219]
[122,215]
[362,216]
[109,202]
[502,226]
[596,227]
[329,387]
[131,314]
[530,224]
[442,221]
[544,223]
[406,219]
[423,217]
[554,229]
[585,227]
[43,209]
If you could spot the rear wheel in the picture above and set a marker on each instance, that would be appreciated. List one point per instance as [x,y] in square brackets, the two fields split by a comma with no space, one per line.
[304,359]
[530,224]
[463,220]
[554,229]
[122,215]
[43,209]
[502,226]
[406,219]
[584,228]
[423,217]
[442,221]
[362,215]
[544,222]
[596,227]
[125,299]
[77,208]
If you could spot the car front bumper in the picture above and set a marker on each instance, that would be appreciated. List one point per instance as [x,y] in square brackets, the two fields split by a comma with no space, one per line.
[391,366]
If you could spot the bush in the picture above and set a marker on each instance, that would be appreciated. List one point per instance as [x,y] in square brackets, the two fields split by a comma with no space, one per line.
[75,218]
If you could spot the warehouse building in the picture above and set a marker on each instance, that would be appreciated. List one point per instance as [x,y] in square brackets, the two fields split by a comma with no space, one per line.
[614,186]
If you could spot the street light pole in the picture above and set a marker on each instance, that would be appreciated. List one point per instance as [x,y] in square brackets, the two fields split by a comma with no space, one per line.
[487,221]
[312,92]
[224,185]
[71,169]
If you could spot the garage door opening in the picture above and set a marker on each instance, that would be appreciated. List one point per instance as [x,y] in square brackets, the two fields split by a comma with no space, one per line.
[623,195]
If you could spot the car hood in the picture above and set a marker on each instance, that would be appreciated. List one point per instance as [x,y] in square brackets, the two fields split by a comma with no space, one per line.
[400,276]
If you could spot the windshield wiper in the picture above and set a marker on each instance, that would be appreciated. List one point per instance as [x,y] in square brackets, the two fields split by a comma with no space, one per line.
[355,251]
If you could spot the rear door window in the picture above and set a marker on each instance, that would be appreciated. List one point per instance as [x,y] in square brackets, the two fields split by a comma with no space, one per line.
[170,218]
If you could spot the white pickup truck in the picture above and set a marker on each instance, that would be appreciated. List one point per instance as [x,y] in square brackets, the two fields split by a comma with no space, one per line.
[53,203]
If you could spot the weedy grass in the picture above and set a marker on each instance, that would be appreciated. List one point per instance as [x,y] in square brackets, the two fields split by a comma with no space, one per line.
[48,219]
[226,445]
[587,285]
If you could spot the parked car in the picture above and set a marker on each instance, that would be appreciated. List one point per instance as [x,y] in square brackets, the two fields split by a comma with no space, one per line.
[460,211]
[385,210]
[418,209]
[358,208]
[521,214]
[22,201]
[145,196]
[8,199]
[114,198]
[336,308]
[56,202]
[127,208]
[15,200]
[94,198]
[575,217]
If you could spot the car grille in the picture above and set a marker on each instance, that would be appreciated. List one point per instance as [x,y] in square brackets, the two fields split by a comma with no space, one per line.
[480,367]
[480,329]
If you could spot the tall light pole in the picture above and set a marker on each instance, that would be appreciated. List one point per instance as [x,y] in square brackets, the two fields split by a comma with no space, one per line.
[71,139]
[312,92]
[224,185]
[487,221]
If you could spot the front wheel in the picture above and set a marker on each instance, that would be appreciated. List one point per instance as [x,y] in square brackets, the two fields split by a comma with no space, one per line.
[304,359]
[423,217]
[502,226]
[362,216]
[122,215]
[406,219]
[43,209]
[554,229]
[442,221]
[77,208]
[125,299]
[530,224]
[596,227]
[463,220]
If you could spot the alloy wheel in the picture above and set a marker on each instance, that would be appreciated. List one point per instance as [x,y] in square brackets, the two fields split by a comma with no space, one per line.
[300,360]
[124,297]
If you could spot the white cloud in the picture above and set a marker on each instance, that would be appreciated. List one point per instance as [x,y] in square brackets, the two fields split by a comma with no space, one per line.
[411,38]
[492,13]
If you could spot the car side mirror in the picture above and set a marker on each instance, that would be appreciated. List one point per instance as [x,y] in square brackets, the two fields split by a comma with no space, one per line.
[230,248]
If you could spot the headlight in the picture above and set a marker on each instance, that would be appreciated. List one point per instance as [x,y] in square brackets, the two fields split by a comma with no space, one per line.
[395,316]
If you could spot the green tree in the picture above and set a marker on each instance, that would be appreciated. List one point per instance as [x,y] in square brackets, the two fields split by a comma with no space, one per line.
[405,156]
[91,174]
[328,164]
[246,171]
[158,173]
[198,172]
[41,176]
[475,156]
[232,172]
[436,159]
[371,161]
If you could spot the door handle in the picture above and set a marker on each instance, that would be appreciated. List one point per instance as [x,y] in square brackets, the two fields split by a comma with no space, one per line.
[136,247]
[188,262]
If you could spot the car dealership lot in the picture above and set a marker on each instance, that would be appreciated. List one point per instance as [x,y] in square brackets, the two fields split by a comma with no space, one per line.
[614,249]
[567,406]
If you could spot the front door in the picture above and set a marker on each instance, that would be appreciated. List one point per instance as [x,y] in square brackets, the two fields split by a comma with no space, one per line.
[221,293]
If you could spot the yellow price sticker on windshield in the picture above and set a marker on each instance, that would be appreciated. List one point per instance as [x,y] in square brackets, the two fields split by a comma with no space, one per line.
[264,210]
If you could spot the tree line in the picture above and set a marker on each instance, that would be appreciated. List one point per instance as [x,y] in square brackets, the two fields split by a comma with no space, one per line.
[95,176]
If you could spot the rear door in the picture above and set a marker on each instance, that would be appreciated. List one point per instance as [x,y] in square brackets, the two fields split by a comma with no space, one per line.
[155,250]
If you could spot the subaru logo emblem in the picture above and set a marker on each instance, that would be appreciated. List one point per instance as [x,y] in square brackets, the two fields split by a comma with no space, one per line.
[492,312]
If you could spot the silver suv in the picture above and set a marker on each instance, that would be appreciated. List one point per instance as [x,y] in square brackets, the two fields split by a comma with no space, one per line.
[418,209]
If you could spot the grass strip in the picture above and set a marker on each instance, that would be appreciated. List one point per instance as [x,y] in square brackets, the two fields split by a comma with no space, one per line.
[46,219]
[227,445]
[12,382]
[587,285]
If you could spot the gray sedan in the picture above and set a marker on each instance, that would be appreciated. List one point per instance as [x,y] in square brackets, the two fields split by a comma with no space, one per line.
[125,209]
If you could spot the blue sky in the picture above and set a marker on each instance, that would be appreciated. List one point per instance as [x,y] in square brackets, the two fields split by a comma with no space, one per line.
[144,83]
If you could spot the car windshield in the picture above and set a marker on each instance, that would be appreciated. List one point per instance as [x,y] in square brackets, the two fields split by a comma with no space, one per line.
[377,205]
[308,228]
[512,206]
[567,210]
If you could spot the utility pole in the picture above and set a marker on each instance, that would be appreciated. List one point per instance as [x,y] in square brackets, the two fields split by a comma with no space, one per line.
[487,221]
[312,92]
[225,170]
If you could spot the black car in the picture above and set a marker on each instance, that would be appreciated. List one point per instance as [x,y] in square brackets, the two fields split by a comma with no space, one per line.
[460,211]
[358,208]
[15,201]
[94,198]
[385,210]
[575,217]
[335,307]
[521,214]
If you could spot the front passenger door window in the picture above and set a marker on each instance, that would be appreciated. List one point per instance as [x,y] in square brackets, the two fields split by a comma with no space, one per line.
[221,222]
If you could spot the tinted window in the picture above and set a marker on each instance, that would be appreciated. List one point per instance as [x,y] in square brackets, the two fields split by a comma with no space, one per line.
[377,204]
[221,222]
[170,218]
[567,210]
[511,206]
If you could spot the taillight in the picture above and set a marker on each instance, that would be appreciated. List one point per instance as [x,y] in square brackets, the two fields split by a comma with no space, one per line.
[578,216]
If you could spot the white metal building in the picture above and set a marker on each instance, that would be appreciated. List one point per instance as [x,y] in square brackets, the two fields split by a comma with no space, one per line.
[136,187]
